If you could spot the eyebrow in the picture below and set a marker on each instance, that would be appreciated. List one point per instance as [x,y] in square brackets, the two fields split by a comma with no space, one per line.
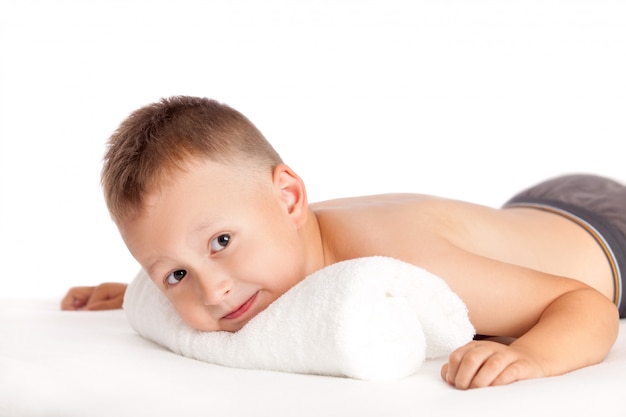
[152,266]
[201,227]
[205,225]
[153,263]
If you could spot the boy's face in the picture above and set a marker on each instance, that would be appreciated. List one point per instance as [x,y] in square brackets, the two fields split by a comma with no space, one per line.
[219,242]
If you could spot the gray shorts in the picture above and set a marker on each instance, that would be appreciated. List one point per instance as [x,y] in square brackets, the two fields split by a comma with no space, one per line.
[596,203]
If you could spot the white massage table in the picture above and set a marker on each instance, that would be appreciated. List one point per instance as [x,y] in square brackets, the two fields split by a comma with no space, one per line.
[81,364]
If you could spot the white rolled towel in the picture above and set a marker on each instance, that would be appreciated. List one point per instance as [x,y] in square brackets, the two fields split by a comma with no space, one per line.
[372,318]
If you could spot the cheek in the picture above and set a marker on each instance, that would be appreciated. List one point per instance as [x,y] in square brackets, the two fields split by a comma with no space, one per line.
[194,315]
[287,267]
[273,238]
[276,264]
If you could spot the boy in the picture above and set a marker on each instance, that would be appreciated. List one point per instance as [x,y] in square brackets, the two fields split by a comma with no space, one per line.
[223,227]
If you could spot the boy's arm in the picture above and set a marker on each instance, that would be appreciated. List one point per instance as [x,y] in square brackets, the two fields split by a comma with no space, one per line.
[106,296]
[575,331]
[560,324]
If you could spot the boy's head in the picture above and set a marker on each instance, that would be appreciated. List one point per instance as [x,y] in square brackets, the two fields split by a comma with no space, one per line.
[159,139]
[206,206]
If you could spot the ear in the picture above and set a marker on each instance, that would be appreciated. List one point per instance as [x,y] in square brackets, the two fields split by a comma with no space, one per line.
[292,193]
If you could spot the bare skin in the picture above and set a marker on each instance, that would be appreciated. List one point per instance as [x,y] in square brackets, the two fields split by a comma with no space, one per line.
[244,239]
[106,296]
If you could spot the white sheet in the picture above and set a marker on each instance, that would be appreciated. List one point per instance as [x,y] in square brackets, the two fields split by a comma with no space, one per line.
[67,364]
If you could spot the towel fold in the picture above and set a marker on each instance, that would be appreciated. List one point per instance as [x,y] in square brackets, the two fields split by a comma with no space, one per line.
[373,318]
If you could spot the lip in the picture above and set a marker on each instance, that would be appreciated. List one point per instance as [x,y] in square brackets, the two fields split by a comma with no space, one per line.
[242,309]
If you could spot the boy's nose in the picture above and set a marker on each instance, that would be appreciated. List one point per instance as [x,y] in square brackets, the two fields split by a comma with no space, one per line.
[213,289]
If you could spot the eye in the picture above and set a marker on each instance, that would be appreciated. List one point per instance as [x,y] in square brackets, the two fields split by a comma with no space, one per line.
[175,277]
[220,242]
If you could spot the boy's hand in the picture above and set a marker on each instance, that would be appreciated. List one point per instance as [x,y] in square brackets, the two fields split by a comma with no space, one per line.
[485,363]
[106,296]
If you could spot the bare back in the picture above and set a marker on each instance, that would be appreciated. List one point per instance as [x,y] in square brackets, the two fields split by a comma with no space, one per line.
[463,242]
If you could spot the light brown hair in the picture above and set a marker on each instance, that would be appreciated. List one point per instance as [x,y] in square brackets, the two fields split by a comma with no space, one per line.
[157,140]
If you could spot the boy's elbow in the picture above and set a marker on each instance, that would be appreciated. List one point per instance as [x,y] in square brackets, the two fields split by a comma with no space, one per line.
[607,322]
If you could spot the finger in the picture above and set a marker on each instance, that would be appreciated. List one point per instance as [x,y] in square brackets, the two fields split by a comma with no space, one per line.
[444,372]
[522,368]
[493,368]
[76,298]
[479,363]
[100,293]
[108,304]
[470,366]
[513,372]
[456,362]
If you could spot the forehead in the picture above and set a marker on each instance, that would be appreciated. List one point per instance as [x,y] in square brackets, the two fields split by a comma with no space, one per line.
[204,193]
[206,177]
[203,185]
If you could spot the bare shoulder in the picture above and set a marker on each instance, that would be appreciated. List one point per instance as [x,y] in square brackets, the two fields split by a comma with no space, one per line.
[404,226]
[403,210]
[414,204]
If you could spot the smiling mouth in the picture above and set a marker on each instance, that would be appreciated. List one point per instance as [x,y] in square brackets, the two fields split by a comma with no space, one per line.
[242,309]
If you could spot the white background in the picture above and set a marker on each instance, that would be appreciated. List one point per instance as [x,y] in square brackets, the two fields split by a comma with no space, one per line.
[467,99]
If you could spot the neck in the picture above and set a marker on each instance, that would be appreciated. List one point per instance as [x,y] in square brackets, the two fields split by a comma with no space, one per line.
[316,253]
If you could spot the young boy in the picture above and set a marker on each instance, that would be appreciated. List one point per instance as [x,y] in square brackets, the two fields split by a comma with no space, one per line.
[223,227]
